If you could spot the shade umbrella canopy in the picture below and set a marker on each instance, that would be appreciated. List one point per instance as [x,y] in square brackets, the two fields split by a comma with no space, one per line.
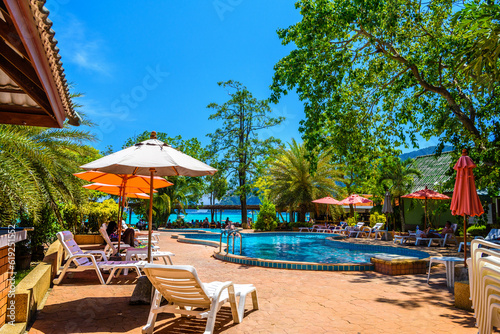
[355,199]
[426,194]
[119,179]
[465,201]
[154,158]
[326,200]
[116,190]
[151,153]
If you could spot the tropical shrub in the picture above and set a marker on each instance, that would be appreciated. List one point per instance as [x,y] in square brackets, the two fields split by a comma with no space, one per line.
[352,221]
[99,213]
[266,220]
[477,230]
[376,218]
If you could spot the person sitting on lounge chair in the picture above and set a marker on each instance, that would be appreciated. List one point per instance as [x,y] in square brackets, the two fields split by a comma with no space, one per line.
[428,233]
[128,236]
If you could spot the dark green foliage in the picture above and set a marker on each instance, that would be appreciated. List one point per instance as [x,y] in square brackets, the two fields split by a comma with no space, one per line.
[266,221]
[237,140]
[477,230]
[375,74]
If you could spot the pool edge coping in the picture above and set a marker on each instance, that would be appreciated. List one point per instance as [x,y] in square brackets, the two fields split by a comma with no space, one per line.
[280,264]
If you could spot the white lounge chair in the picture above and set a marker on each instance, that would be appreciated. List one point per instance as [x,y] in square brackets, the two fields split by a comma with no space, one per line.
[376,229]
[356,230]
[442,241]
[79,258]
[493,236]
[134,253]
[405,238]
[187,295]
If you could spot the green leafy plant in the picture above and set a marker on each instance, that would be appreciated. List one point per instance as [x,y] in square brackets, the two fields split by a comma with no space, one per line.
[376,218]
[266,221]
[477,230]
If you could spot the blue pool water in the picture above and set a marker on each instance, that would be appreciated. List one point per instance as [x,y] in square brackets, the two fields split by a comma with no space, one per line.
[308,247]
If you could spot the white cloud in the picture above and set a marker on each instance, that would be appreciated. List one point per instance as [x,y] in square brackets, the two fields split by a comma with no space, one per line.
[78,46]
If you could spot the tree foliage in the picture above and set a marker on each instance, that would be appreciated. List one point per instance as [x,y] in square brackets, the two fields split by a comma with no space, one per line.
[387,71]
[36,166]
[479,24]
[290,184]
[237,141]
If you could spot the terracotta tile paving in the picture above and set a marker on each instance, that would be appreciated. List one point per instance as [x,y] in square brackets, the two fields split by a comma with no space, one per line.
[290,301]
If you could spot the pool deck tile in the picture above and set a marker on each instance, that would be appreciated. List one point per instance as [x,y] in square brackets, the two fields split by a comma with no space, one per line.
[290,302]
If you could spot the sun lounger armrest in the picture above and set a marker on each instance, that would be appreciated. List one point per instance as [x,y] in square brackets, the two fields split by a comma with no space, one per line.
[99,252]
[221,288]
[90,256]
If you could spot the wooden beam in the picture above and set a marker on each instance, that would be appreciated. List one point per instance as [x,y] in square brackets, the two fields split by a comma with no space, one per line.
[23,19]
[8,32]
[27,119]
[22,109]
[11,90]
[21,63]
[24,82]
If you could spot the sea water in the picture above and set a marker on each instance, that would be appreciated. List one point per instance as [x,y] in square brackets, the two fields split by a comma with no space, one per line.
[200,215]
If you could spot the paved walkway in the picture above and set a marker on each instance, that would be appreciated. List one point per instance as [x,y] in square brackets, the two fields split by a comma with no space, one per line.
[290,302]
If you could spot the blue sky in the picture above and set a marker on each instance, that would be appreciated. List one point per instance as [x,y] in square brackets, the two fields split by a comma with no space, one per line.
[154,65]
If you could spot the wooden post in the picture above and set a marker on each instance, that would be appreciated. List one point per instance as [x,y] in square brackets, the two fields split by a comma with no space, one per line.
[150,225]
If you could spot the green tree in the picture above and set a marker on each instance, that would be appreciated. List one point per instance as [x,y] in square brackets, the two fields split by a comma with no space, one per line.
[237,140]
[390,66]
[217,185]
[398,176]
[266,220]
[479,25]
[36,166]
[291,184]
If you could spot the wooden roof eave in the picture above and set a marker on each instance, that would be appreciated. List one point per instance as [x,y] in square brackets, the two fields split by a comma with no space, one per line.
[23,20]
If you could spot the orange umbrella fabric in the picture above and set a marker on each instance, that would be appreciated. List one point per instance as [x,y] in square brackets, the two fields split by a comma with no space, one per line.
[119,179]
[326,200]
[465,201]
[116,190]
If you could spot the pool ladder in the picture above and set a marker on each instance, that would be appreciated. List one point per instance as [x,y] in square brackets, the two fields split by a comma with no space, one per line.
[230,233]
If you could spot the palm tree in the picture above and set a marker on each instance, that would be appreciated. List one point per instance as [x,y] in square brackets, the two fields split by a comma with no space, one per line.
[292,185]
[36,166]
[399,175]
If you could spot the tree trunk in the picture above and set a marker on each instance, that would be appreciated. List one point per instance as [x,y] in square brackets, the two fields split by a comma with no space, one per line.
[302,213]
[402,214]
[243,200]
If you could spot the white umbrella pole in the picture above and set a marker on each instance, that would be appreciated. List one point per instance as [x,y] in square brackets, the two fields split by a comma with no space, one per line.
[150,225]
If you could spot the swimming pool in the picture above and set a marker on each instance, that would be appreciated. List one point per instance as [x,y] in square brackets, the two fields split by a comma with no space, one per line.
[309,247]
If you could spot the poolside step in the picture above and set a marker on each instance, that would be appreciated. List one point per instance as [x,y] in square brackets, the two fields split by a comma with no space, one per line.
[391,257]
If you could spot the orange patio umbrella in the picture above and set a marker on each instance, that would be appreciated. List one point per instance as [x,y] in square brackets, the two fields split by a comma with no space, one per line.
[326,200]
[465,201]
[143,183]
[118,190]
[426,194]
[122,179]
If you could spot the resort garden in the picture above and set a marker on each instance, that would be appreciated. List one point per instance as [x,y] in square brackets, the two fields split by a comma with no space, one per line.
[341,205]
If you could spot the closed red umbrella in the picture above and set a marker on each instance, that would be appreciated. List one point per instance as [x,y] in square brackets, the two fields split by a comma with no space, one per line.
[326,200]
[465,201]
[426,194]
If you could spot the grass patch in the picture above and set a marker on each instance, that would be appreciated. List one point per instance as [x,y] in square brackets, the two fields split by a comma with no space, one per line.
[23,273]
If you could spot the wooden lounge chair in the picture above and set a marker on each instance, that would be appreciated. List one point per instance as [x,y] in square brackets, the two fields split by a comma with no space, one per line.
[187,295]
[79,258]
